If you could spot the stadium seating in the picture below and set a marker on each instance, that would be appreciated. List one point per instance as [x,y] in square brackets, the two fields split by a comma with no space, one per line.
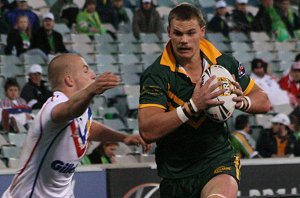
[2,164]
[125,159]
[16,139]
[132,124]
[238,37]
[9,151]
[62,28]
[3,140]
[132,90]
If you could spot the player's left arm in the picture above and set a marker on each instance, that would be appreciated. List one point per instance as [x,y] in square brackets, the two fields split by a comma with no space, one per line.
[250,97]
[100,132]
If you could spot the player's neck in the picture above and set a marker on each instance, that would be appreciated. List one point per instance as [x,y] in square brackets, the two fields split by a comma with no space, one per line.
[190,63]
[193,67]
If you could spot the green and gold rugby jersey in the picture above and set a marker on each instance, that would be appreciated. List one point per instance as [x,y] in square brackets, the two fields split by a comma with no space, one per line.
[199,142]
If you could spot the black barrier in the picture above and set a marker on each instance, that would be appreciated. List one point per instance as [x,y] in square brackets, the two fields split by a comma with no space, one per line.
[260,178]
[269,180]
[120,181]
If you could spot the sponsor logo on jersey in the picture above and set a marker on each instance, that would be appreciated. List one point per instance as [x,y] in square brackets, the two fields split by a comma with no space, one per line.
[80,134]
[221,169]
[241,70]
[62,167]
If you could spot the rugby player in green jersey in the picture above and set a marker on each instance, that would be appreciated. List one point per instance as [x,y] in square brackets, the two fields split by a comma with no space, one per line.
[193,155]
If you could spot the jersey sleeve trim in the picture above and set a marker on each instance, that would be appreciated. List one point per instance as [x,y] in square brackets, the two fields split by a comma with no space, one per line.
[141,106]
[249,87]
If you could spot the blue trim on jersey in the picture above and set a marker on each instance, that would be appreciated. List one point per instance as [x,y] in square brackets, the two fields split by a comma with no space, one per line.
[83,136]
[41,163]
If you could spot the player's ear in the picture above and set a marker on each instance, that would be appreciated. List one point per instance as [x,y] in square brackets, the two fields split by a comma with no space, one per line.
[69,81]
[168,30]
[202,31]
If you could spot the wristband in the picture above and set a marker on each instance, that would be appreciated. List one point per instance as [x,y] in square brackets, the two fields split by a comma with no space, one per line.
[249,102]
[192,106]
[242,105]
[185,111]
[181,114]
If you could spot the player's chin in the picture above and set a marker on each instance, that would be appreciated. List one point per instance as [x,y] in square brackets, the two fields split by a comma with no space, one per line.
[185,55]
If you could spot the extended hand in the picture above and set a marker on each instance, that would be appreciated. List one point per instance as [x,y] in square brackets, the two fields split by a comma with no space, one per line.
[137,140]
[105,81]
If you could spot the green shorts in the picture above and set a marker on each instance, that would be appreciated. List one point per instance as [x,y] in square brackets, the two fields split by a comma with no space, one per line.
[190,187]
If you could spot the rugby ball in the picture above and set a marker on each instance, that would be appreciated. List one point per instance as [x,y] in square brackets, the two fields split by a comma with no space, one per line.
[222,112]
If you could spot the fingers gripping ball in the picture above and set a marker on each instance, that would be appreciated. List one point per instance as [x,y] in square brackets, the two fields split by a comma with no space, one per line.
[222,112]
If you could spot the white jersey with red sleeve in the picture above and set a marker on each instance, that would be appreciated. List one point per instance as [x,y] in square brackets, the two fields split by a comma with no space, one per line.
[51,153]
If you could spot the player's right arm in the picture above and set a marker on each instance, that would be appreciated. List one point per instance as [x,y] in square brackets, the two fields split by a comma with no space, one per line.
[155,122]
[79,102]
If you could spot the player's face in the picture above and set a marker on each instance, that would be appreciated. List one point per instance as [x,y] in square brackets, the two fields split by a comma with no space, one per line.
[147,5]
[242,7]
[267,3]
[185,37]
[91,8]
[259,71]
[276,127]
[118,3]
[12,92]
[84,74]
[222,11]
[36,78]
[48,24]
[22,23]
[23,5]
[285,5]
[110,150]
[295,73]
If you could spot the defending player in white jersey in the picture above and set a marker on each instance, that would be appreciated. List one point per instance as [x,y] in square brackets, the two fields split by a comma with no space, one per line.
[59,136]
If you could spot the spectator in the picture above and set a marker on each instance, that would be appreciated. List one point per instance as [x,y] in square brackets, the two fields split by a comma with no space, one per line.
[35,91]
[104,9]
[4,27]
[279,141]
[259,74]
[104,153]
[295,125]
[289,18]
[146,20]
[119,14]
[21,10]
[18,40]
[65,11]
[242,140]
[47,39]
[88,20]
[13,108]
[112,12]
[221,22]
[242,19]
[297,57]
[268,20]
[291,81]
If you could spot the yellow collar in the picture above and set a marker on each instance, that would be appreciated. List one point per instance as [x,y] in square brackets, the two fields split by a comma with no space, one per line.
[211,53]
